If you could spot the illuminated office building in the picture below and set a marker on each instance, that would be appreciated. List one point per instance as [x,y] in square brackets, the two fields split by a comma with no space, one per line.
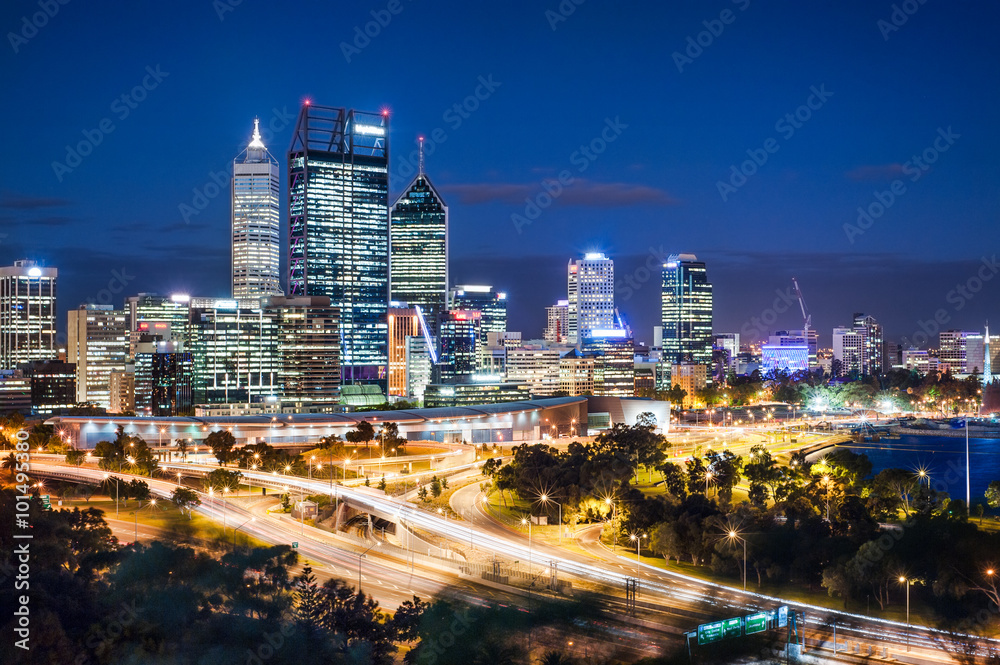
[614,362]
[152,314]
[686,310]
[98,344]
[534,366]
[27,313]
[308,348]
[418,242]
[859,349]
[459,333]
[338,185]
[403,324]
[590,287]
[255,219]
[163,378]
[557,322]
[486,300]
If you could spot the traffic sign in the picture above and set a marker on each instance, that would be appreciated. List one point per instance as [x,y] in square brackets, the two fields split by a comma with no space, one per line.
[46,505]
[709,632]
[756,623]
[783,616]
[295,546]
[732,627]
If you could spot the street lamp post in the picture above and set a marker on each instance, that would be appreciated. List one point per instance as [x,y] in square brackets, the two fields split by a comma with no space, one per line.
[544,498]
[106,476]
[362,556]
[614,514]
[903,580]
[527,521]
[638,543]
[735,536]
[252,519]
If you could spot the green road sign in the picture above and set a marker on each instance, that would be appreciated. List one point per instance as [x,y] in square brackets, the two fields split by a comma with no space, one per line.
[732,627]
[295,545]
[709,632]
[45,502]
[756,623]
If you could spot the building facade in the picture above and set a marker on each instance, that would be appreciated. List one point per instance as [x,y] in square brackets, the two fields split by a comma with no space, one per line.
[614,362]
[418,242]
[590,288]
[338,181]
[256,255]
[860,348]
[686,310]
[535,366]
[403,324]
[557,323]
[27,313]
[460,335]
[97,343]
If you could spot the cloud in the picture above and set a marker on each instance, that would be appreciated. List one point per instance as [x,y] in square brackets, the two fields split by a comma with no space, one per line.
[14,201]
[875,172]
[49,220]
[580,193]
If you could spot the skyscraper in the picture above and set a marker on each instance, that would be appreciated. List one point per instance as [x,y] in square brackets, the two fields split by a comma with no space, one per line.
[486,300]
[686,310]
[557,322]
[590,287]
[255,218]
[98,344]
[418,243]
[859,348]
[339,228]
[403,324]
[460,334]
[27,313]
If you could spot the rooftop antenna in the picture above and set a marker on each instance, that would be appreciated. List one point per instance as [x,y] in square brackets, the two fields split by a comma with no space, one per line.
[421,161]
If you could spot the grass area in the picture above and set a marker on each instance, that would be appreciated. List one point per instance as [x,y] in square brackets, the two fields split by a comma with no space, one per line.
[195,529]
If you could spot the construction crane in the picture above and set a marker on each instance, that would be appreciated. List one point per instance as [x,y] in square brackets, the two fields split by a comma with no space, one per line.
[806,318]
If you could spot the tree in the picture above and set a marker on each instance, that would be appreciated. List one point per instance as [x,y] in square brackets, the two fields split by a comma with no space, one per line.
[407,619]
[389,436]
[137,489]
[436,487]
[364,432]
[185,499]
[422,494]
[673,479]
[993,494]
[381,484]
[75,457]
[308,600]
[219,479]
[222,443]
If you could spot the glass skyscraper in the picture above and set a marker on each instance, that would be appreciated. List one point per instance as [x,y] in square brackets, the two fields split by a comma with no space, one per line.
[339,228]
[590,288]
[255,256]
[418,235]
[27,313]
[686,310]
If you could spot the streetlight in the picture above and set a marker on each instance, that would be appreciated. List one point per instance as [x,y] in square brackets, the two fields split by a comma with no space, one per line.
[362,556]
[252,519]
[614,513]
[732,535]
[708,477]
[527,521]
[826,484]
[544,498]
[638,542]
[311,466]
[903,580]
[106,476]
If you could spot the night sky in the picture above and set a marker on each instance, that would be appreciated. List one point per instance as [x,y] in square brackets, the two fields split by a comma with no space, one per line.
[668,129]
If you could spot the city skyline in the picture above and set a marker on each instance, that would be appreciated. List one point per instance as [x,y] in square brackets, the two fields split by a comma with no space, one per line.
[851,149]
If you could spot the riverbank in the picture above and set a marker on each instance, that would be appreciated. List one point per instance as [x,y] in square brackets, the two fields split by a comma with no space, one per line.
[974,432]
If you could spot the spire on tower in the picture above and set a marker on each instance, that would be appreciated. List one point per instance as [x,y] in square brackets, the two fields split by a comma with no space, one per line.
[420,165]
[255,142]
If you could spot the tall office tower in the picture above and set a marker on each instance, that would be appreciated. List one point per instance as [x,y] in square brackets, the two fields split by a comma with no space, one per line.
[27,313]
[123,390]
[590,285]
[848,350]
[730,343]
[557,322]
[859,348]
[149,313]
[338,227]
[952,349]
[235,353]
[163,379]
[614,362]
[576,373]
[53,385]
[536,366]
[419,366]
[486,300]
[308,349]
[686,310]
[459,333]
[255,254]
[987,357]
[874,344]
[418,245]
[97,343]
[403,324]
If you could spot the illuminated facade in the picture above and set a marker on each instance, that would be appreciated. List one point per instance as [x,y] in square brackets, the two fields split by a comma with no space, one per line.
[98,344]
[123,390]
[614,362]
[859,349]
[403,324]
[149,313]
[459,333]
[163,378]
[339,229]
[787,358]
[418,242]
[686,310]
[590,287]
[576,373]
[535,366]
[691,377]
[308,348]
[255,219]
[419,366]
[27,313]
[557,322]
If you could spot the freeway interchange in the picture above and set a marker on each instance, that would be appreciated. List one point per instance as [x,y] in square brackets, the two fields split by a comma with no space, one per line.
[668,602]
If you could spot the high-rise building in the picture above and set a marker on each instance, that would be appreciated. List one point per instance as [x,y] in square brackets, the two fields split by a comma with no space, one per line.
[953,349]
[535,366]
[27,313]
[614,362]
[859,348]
[486,300]
[730,343]
[419,366]
[691,377]
[97,343]
[576,373]
[403,324]
[152,314]
[460,332]
[255,222]
[123,390]
[590,286]
[338,182]
[308,347]
[418,243]
[557,322]
[234,351]
[686,310]
[163,379]
[53,385]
